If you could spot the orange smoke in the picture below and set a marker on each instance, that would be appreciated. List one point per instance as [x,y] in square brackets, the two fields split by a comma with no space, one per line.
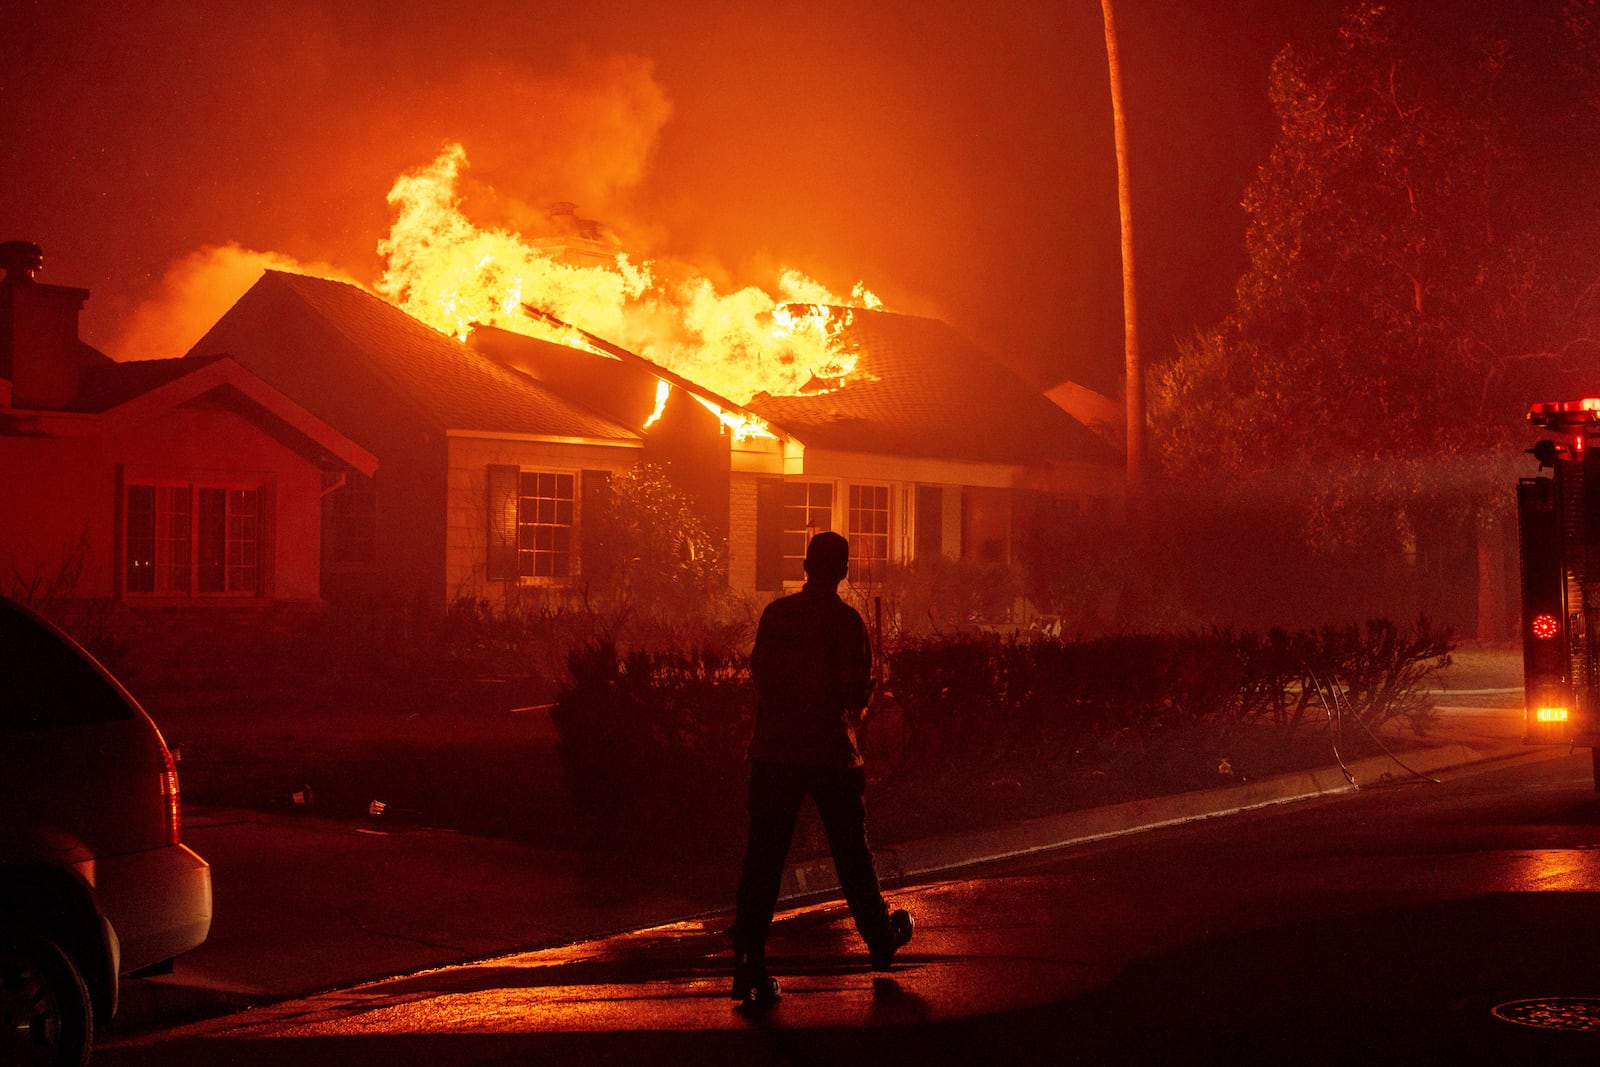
[195,292]
[450,273]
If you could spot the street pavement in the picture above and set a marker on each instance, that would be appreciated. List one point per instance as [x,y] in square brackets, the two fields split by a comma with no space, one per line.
[307,904]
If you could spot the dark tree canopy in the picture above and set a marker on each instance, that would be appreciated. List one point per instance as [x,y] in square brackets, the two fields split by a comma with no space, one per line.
[1424,243]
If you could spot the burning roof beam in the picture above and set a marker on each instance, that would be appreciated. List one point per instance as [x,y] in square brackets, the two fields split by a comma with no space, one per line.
[739,422]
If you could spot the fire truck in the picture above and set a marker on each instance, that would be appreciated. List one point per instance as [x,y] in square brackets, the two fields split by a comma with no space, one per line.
[1558,524]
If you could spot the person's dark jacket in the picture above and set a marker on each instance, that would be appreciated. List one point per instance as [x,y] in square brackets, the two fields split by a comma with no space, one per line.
[812,666]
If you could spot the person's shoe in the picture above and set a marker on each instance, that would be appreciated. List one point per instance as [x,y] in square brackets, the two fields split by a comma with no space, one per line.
[753,987]
[899,934]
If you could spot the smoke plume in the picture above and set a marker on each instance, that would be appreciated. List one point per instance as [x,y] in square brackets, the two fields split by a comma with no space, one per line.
[195,292]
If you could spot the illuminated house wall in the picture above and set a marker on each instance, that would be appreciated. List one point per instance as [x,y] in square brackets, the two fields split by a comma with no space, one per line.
[160,483]
[930,450]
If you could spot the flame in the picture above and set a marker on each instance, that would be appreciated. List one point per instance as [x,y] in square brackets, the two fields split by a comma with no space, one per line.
[450,273]
[663,390]
[742,425]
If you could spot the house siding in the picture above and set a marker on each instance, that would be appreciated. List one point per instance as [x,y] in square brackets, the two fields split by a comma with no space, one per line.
[68,488]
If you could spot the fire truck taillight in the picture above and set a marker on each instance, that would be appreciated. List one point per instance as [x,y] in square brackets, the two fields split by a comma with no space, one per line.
[1546,652]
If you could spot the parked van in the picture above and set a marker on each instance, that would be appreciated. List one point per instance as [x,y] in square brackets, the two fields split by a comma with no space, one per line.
[95,884]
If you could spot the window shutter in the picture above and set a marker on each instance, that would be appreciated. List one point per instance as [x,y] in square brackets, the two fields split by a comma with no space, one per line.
[268,540]
[593,486]
[930,522]
[769,534]
[500,560]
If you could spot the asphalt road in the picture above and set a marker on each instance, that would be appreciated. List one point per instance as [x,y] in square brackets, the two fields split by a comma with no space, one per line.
[1388,925]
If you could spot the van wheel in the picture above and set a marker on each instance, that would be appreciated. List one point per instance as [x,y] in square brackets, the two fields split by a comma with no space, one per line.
[45,1016]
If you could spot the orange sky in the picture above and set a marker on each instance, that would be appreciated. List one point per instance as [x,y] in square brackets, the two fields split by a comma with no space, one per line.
[955,157]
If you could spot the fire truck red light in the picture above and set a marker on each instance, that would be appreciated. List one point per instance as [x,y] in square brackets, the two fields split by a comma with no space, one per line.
[1545,627]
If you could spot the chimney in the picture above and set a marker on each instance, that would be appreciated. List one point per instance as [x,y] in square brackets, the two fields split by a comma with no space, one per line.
[39,347]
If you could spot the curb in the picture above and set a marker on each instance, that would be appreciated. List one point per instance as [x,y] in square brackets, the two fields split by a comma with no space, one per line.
[156,1004]
[929,856]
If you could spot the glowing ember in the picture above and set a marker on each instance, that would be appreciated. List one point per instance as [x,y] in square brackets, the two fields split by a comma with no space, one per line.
[449,273]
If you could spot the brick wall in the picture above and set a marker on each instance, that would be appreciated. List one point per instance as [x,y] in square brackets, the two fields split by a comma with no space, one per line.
[742,532]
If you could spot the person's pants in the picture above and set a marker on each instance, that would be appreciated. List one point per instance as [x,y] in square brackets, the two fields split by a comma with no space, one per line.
[776,792]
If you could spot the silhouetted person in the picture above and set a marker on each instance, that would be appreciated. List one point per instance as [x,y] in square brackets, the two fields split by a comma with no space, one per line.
[812,666]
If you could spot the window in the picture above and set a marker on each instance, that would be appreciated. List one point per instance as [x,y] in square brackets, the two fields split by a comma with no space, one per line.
[532,527]
[544,525]
[807,511]
[869,533]
[185,540]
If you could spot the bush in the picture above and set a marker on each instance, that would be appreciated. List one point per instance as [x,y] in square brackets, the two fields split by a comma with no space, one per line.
[945,596]
[652,736]
[984,704]
[659,737]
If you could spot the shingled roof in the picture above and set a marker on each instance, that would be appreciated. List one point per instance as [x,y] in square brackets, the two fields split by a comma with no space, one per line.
[104,383]
[285,326]
[921,389]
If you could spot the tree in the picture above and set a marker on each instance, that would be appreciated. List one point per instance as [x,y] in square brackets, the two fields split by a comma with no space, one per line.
[1422,265]
[646,550]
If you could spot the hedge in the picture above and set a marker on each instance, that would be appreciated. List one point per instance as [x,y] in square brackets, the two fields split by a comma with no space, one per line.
[652,737]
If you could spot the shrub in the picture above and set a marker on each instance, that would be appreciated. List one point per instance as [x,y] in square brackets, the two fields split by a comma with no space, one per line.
[658,736]
[651,735]
[944,596]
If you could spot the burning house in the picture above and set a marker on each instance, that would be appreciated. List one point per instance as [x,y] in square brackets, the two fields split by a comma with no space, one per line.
[490,448]
[320,444]
[931,449]
[483,470]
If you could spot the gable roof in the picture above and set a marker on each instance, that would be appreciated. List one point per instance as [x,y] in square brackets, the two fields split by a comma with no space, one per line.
[226,382]
[921,389]
[113,395]
[105,383]
[445,384]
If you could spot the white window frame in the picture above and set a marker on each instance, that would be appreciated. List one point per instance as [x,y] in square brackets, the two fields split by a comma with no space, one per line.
[167,541]
[867,568]
[561,541]
[818,520]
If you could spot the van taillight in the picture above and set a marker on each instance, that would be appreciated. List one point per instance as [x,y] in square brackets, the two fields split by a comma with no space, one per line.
[169,796]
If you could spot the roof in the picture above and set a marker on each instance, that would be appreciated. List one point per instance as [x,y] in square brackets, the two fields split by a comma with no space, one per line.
[447,384]
[605,376]
[924,390]
[106,383]
[119,395]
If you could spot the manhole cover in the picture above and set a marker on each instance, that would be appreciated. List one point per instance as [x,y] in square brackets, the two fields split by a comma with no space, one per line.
[1553,1013]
